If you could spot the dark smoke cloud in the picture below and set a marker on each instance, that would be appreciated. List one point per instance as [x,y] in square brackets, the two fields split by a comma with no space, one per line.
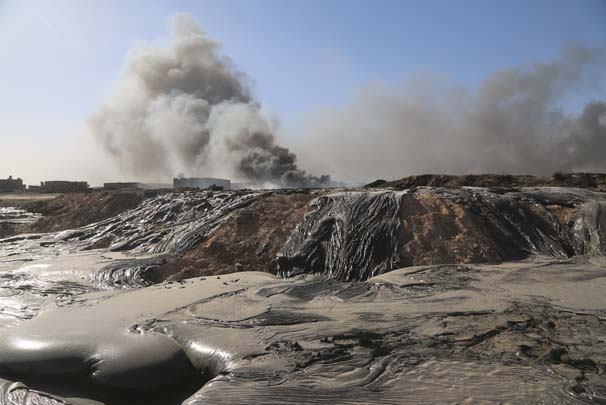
[510,124]
[181,107]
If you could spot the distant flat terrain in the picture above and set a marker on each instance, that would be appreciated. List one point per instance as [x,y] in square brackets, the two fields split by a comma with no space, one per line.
[21,198]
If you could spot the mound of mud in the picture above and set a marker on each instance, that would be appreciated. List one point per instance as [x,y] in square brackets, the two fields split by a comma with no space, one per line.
[357,235]
[346,235]
[178,235]
[592,181]
[69,211]
[6,230]
[74,210]
[249,240]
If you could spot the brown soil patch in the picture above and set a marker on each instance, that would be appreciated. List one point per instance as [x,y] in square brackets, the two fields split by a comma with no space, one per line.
[248,241]
[437,231]
[73,210]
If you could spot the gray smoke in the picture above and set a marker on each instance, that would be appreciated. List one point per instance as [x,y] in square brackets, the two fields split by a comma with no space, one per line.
[181,107]
[510,124]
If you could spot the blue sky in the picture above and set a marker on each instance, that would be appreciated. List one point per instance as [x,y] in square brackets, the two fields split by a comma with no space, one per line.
[58,57]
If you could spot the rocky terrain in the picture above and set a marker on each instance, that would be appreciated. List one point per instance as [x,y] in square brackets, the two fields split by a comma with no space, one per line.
[420,294]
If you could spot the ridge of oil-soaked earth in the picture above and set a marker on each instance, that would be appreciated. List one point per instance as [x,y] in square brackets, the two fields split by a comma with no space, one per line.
[435,295]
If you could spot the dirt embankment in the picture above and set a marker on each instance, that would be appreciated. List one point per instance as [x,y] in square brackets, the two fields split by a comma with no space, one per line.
[470,227]
[355,235]
[248,241]
[71,210]
[592,181]
[347,235]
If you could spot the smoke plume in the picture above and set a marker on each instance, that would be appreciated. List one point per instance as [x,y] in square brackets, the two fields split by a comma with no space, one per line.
[510,124]
[181,107]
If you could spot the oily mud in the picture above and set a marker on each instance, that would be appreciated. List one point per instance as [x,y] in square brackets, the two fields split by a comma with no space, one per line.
[510,332]
[13,218]
[345,235]
[430,295]
[357,235]
[247,241]
[52,213]
[13,215]
[348,236]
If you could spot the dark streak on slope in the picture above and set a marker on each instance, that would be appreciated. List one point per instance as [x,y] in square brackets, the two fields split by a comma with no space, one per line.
[349,236]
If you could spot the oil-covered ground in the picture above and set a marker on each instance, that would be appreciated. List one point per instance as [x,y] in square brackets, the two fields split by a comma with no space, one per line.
[379,296]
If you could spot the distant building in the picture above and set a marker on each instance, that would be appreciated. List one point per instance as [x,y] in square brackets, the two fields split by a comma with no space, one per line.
[123,186]
[201,183]
[11,184]
[60,186]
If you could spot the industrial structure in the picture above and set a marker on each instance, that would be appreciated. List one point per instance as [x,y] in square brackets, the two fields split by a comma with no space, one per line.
[61,186]
[201,183]
[11,184]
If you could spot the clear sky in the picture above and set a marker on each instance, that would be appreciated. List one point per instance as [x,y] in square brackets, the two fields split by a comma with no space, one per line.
[58,57]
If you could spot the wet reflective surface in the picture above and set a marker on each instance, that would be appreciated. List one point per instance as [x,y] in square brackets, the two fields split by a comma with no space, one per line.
[81,323]
[13,215]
